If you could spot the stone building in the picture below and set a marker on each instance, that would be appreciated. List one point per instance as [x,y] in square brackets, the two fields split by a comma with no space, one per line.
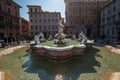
[9,19]
[110,22]
[24,28]
[43,21]
[83,15]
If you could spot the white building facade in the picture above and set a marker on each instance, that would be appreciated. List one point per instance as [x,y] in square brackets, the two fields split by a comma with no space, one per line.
[41,21]
[110,22]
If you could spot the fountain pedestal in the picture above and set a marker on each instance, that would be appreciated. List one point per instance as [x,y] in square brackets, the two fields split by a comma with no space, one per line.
[58,53]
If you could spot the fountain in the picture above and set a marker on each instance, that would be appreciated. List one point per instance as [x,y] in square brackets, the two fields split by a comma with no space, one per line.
[56,52]
[60,36]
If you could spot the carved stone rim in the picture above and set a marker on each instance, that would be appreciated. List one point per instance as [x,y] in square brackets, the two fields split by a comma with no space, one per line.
[61,48]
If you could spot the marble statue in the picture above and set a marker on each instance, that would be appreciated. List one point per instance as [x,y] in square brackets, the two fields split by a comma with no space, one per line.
[50,38]
[82,38]
[60,36]
[41,37]
[60,27]
[73,37]
[36,38]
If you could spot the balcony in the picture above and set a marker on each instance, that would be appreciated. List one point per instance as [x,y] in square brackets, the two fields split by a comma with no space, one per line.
[2,11]
[116,21]
[102,26]
[16,24]
[2,23]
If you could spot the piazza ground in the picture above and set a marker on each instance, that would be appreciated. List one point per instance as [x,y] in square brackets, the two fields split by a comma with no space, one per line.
[97,64]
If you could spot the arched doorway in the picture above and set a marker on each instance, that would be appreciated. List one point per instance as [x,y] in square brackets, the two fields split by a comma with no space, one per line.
[118,38]
[45,34]
[1,35]
[88,32]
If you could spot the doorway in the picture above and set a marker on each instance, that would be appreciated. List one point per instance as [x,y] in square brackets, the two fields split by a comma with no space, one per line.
[45,34]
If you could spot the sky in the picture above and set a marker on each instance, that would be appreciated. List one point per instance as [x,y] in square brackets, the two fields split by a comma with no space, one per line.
[47,5]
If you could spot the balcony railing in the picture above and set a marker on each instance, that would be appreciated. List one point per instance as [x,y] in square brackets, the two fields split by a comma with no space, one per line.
[2,23]
[2,11]
[8,13]
[117,21]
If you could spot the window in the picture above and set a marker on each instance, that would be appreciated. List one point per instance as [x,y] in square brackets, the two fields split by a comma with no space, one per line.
[52,27]
[52,20]
[95,4]
[94,22]
[112,30]
[39,27]
[36,33]
[31,27]
[40,20]
[32,33]
[108,11]
[88,4]
[0,7]
[39,15]
[10,28]
[82,22]
[36,27]
[2,27]
[48,20]
[36,20]
[88,21]
[30,9]
[44,27]
[44,20]
[31,20]
[108,31]
[35,9]
[56,20]
[1,18]
[9,10]
[15,7]
[95,12]
[8,3]
[82,4]
[49,27]
[89,13]
[48,15]
[114,9]
[16,13]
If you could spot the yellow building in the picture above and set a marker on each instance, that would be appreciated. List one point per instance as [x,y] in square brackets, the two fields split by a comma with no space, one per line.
[83,15]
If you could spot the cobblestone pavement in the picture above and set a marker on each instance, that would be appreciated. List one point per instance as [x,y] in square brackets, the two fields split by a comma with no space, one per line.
[115,76]
[10,50]
[2,76]
[113,49]
[5,51]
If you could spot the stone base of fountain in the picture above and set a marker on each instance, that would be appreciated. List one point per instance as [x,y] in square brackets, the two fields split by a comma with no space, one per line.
[58,53]
[62,41]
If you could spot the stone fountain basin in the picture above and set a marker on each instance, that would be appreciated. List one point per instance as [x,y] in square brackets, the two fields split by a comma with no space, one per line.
[58,52]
